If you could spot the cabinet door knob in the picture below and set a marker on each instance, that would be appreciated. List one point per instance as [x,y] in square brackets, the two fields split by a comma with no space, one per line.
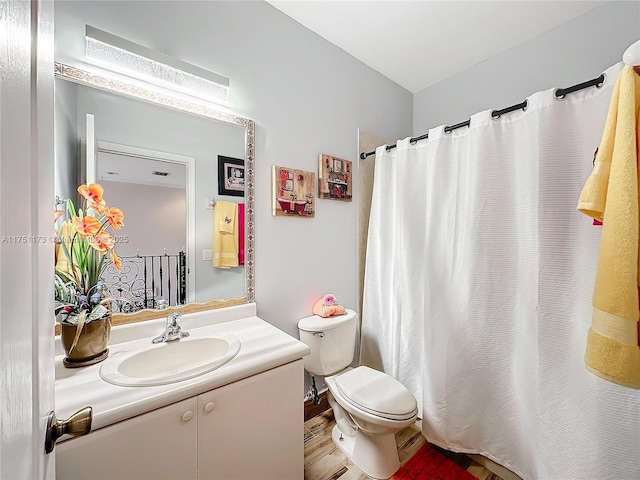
[186,416]
[209,407]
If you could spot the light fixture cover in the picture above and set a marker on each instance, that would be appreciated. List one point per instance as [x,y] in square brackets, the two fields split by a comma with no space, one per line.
[131,59]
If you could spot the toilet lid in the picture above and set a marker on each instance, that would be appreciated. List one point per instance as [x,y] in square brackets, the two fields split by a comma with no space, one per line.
[316,323]
[377,393]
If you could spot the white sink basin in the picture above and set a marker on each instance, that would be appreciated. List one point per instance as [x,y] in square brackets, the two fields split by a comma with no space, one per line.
[170,362]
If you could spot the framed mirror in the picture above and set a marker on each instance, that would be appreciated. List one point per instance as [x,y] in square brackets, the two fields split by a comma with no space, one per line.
[157,157]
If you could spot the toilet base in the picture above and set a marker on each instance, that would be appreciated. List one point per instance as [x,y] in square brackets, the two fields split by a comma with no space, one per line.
[375,455]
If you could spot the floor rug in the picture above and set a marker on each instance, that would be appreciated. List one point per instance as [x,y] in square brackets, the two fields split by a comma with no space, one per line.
[428,464]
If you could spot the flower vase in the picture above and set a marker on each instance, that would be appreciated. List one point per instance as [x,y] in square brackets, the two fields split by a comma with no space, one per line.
[92,343]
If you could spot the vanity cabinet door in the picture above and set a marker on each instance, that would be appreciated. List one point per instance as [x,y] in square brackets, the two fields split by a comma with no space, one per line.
[157,445]
[253,429]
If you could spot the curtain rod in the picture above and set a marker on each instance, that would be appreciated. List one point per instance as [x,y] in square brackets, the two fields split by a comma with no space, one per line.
[560,93]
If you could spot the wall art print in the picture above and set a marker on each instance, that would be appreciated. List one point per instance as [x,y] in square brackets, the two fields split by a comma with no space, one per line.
[335,178]
[230,176]
[293,192]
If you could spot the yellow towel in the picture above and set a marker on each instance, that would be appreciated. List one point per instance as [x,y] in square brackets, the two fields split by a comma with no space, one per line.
[225,235]
[228,216]
[611,194]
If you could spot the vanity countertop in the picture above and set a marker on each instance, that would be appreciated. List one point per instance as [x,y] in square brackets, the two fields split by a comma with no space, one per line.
[263,347]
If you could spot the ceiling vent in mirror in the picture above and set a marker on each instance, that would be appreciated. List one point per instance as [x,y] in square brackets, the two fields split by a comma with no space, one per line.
[128,58]
[160,174]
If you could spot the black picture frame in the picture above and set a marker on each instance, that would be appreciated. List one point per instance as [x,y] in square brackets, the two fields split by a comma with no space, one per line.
[231,176]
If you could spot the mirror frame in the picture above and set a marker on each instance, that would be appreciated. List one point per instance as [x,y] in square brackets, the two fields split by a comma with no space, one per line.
[84,77]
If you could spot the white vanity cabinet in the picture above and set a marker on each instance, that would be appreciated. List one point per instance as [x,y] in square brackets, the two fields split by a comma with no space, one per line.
[157,445]
[254,429]
[251,429]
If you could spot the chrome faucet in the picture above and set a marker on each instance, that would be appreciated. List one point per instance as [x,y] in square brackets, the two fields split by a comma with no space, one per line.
[173,331]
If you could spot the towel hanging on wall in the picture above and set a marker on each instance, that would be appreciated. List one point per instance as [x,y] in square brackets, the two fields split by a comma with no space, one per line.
[611,195]
[225,235]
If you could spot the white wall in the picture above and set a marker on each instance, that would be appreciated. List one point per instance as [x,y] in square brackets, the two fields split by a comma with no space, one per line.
[571,53]
[307,97]
[162,207]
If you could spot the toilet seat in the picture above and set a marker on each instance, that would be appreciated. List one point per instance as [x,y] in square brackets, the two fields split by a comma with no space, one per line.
[376,393]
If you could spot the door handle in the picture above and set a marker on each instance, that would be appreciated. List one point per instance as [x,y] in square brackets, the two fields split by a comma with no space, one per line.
[77,424]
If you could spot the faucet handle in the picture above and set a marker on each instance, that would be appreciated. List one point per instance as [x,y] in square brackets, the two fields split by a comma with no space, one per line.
[173,318]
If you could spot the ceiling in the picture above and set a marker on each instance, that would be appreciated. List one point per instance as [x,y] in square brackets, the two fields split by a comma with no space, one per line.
[419,43]
[118,167]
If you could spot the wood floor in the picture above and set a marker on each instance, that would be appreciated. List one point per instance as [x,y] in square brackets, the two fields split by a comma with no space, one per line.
[324,461]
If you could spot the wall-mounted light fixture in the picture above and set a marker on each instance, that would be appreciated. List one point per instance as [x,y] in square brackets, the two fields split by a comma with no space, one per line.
[128,58]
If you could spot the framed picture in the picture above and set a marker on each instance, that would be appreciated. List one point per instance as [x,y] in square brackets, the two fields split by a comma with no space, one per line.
[292,192]
[230,176]
[334,178]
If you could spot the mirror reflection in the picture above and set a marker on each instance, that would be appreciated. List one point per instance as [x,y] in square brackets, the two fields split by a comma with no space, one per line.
[155,259]
[161,166]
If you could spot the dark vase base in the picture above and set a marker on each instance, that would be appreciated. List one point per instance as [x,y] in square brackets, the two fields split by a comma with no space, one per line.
[70,363]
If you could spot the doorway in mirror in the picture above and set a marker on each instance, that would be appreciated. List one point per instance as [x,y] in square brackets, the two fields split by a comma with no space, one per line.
[153,246]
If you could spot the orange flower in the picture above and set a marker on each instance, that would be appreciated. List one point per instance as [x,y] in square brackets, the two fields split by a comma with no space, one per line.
[102,242]
[117,261]
[98,207]
[93,193]
[57,214]
[115,217]
[86,226]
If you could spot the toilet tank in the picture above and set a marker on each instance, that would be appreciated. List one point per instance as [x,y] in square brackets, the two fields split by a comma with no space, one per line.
[332,341]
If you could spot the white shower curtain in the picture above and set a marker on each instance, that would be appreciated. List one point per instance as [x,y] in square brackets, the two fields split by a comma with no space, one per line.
[478,289]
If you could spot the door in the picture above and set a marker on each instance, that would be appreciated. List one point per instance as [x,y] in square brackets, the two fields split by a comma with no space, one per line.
[90,150]
[253,428]
[26,226]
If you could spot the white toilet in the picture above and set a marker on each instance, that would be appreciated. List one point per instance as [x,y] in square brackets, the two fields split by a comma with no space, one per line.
[369,406]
